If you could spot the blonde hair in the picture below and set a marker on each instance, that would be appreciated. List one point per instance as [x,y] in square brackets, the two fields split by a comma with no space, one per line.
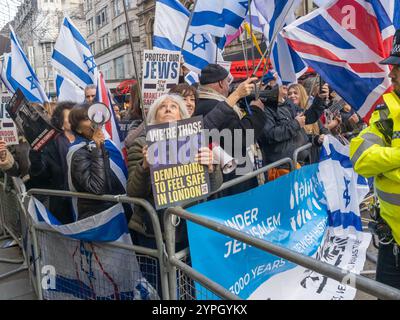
[303,103]
[151,115]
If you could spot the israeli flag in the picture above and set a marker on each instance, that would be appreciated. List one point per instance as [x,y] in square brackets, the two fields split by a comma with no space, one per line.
[345,189]
[271,16]
[218,17]
[72,56]
[199,50]
[20,75]
[68,91]
[392,8]
[192,78]
[3,74]
[107,226]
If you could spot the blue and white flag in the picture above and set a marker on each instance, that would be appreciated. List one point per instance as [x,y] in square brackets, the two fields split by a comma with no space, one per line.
[3,75]
[392,8]
[107,226]
[192,78]
[270,16]
[68,91]
[171,19]
[72,56]
[219,17]
[345,189]
[20,74]
[290,212]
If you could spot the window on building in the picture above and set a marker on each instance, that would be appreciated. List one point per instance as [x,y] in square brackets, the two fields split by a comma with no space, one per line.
[120,33]
[88,5]
[104,42]
[130,3]
[102,17]
[90,26]
[119,68]
[106,70]
[93,47]
[117,7]
[47,51]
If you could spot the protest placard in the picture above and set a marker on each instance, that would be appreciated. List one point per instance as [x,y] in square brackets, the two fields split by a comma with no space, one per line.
[8,130]
[31,121]
[160,73]
[176,178]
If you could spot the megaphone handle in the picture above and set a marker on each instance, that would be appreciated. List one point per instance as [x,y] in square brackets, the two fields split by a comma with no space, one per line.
[107,167]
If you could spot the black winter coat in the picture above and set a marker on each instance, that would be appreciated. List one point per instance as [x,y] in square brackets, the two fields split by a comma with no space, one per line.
[50,168]
[91,173]
[219,115]
[283,134]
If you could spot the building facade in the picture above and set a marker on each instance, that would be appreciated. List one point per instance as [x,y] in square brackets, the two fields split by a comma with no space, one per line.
[37,24]
[107,35]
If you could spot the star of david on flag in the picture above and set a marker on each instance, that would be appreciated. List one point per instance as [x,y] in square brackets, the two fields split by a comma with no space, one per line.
[195,45]
[20,74]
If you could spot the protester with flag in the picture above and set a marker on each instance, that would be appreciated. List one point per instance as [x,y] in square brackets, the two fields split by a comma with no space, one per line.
[376,153]
[221,111]
[95,165]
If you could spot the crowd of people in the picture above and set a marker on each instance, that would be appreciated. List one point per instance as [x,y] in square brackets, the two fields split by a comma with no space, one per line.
[282,118]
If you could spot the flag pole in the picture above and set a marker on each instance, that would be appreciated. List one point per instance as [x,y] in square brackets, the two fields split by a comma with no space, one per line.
[268,51]
[139,83]
[251,33]
[188,24]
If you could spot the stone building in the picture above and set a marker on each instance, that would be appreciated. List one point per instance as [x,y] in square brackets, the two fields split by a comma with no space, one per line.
[37,24]
[107,35]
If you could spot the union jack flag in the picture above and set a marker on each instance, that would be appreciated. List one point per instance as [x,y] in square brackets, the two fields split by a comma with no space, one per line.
[344,43]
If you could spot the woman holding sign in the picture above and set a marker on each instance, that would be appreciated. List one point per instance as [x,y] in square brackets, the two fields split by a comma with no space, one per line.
[166,109]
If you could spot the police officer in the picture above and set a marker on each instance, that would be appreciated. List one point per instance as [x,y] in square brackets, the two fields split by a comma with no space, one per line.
[376,153]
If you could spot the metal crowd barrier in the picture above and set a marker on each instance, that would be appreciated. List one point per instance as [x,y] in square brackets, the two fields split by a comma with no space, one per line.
[151,261]
[365,284]
[177,277]
[182,276]
[12,223]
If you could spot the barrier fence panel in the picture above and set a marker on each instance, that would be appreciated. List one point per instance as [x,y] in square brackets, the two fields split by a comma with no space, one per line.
[12,222]
[181,276]
[110,270]
[66,255]
[362,283]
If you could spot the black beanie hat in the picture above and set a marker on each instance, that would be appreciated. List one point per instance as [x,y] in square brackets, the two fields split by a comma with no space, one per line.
[212,74]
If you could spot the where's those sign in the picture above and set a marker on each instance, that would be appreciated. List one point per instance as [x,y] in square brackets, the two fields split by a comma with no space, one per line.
[176,178]
[160,73]
[8,130]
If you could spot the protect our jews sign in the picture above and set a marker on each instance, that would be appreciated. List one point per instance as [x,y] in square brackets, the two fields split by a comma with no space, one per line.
[160,73]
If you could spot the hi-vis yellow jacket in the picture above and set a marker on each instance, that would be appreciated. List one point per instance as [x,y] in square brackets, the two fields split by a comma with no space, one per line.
[376,153]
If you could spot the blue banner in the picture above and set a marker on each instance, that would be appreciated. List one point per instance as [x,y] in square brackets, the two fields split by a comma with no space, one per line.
[289,212]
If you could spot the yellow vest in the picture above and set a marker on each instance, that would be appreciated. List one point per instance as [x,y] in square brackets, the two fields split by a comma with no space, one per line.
[377,155]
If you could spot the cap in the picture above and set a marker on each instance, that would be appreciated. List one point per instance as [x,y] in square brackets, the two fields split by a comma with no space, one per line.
[212,74]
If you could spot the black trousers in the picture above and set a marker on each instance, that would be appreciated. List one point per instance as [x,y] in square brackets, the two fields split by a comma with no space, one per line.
[387,271]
